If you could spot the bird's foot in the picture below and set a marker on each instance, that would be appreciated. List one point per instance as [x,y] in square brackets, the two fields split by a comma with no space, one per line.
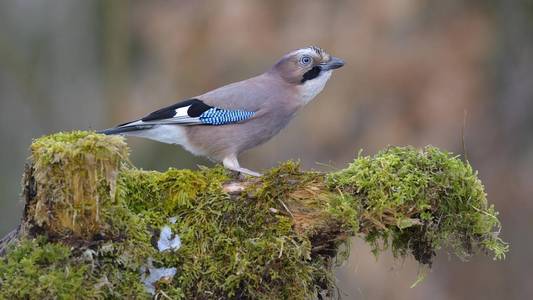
[244,171]
[232,163]
[249,172]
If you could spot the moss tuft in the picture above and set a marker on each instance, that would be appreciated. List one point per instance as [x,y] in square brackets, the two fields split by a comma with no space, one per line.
[419,201]
[74,180]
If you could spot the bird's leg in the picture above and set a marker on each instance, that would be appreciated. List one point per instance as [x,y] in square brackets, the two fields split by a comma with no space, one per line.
[231,163]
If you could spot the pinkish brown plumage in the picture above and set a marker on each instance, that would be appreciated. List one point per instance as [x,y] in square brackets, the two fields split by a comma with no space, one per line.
[224,122]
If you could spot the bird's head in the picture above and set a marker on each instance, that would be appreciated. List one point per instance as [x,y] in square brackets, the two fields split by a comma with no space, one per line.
[307,69]
[306,64]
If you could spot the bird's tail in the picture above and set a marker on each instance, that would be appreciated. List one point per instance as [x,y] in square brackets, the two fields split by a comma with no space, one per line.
[123,129]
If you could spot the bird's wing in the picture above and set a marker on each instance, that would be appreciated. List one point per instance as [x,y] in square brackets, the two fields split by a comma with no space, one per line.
[192,112]
[196,112]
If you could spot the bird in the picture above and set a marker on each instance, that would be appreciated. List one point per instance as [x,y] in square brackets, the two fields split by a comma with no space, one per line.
[224,122]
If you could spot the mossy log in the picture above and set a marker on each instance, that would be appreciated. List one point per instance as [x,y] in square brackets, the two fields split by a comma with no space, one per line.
[96,227]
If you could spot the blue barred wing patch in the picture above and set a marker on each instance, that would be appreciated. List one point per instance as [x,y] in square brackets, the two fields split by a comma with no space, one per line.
[218,116]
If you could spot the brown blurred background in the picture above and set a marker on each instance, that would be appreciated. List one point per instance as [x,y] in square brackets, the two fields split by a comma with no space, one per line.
[413,68]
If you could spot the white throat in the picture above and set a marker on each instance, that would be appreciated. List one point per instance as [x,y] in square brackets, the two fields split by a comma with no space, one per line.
[311,88]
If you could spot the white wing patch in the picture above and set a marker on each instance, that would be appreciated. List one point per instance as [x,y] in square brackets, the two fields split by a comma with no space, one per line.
[182,111]
[180,117]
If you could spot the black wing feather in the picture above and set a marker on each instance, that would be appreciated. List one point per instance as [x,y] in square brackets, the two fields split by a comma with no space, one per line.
[197,107]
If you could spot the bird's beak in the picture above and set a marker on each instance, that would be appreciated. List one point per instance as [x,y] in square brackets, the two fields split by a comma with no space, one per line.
[333,63]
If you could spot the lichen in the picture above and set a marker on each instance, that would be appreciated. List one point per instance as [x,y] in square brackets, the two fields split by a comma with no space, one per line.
[276,239]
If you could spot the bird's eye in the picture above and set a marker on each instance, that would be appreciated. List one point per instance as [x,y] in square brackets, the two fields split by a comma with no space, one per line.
[305,60]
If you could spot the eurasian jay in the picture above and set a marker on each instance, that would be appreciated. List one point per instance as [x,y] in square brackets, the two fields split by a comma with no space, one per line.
[224,122]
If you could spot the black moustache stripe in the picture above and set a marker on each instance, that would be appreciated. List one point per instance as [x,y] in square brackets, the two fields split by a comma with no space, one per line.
[311,74]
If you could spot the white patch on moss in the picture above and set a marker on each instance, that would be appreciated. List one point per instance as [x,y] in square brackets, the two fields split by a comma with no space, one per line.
[150,276]
[166,241]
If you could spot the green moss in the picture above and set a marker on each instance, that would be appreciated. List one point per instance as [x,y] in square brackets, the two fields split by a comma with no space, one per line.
[276,240]
[420,201]
[75,179]
[230,247]
[37,269]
